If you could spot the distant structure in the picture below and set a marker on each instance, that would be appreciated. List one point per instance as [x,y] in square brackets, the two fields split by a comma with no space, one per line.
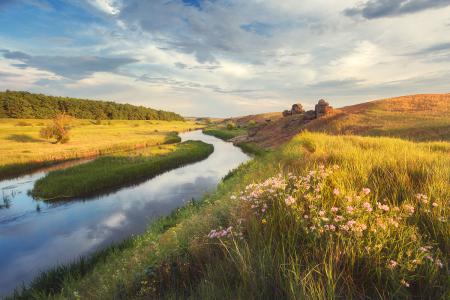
[296,109]
[322,108]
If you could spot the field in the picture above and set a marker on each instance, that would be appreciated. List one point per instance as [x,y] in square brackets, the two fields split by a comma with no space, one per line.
[113,171]
[22,149]
[322,217]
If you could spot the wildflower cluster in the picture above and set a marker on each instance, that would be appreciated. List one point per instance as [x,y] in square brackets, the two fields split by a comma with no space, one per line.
[323,211]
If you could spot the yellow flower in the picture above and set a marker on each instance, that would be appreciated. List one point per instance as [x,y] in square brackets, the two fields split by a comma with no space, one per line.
[263,221]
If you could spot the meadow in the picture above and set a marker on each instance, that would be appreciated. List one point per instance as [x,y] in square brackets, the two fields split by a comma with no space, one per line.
[115,171]
[22,149]
[322,217]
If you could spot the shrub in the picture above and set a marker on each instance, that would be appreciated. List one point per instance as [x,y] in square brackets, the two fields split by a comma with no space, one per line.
[58,129]
[231,125]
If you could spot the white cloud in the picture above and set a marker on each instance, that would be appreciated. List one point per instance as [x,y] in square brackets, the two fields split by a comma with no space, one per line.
[202,62]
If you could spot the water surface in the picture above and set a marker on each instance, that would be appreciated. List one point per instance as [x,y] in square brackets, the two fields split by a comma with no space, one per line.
[35,236]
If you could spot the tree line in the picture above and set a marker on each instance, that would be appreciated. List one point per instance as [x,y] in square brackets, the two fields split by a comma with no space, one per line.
[25,105]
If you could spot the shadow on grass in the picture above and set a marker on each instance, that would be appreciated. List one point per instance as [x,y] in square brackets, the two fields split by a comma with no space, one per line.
[23,138]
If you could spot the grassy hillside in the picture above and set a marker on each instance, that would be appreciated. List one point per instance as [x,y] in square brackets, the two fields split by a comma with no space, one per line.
[22,149]
[418,117]
[24,105]
[322,217]
[114,171]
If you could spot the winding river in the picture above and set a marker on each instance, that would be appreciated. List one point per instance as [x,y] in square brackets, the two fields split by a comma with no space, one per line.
[35,236]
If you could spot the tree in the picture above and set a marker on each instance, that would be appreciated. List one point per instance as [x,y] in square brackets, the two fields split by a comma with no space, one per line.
[58,129]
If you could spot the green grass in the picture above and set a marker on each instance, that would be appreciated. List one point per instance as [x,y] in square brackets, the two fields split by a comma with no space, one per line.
[110,172]
[252,148]
[23,150]
[224,133]
[279,255]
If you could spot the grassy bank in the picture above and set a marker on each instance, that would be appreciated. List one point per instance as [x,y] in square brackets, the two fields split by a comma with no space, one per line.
[323,217]
[110,172]
[224,133]
[23,150]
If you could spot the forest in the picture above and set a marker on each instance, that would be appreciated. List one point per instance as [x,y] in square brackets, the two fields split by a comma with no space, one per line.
[25,105]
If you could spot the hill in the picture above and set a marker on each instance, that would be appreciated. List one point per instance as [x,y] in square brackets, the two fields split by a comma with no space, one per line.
[424,117]
[24,105]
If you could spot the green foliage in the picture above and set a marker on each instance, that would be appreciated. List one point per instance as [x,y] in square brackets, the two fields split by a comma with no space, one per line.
[38,106]
[110,172]
[251,123]
[279,256]
[58,129]
[224,133]
[252,148]
[231,125]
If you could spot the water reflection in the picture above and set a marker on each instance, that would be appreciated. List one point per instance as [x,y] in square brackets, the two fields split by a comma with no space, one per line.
[35,236]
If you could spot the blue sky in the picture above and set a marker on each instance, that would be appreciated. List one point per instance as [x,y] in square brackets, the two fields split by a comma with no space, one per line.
[225,57]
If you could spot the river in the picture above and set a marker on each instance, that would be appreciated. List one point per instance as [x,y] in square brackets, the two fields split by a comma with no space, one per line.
[36,236]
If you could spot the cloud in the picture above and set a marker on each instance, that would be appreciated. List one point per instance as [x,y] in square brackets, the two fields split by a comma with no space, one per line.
[440,47]
[336,84]
[73,67]
[374,9]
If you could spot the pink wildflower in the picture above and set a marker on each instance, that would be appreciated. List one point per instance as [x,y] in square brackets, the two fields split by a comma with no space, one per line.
[409,209]
[383,206]
[366,191]
[404,283]
[435,204]
[392,264]
[367,206]
[338,218]
[350,209]
[289,200]
[336,191]
[334,209]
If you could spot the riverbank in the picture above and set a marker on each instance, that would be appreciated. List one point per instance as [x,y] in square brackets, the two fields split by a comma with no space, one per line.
[111,172]
[224,133]
[322,217]
[23,150]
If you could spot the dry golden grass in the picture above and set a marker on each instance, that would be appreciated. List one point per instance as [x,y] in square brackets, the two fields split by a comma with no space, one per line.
[423,117]
[20,142]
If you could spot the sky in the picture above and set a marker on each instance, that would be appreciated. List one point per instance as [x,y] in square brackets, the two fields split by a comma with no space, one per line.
[224,58]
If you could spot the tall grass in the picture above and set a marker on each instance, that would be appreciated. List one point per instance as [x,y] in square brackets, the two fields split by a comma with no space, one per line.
[250,239]
[114,171]
[224,133]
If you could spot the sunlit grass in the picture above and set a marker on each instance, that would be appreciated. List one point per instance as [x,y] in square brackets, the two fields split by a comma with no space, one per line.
[224,133]
[21,147]
[114,171]
[278,254]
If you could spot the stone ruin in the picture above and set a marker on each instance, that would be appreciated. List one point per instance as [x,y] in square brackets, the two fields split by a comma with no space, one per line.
[322,108]
[296,109]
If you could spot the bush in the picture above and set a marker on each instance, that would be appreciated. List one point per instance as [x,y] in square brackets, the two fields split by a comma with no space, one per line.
[58,129]
[231,125]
